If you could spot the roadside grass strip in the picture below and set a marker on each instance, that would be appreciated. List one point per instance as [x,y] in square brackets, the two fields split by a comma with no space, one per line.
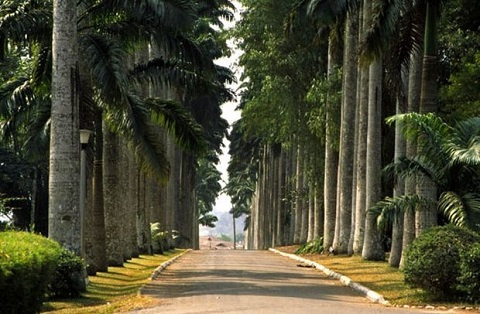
[118,289]
[370,294]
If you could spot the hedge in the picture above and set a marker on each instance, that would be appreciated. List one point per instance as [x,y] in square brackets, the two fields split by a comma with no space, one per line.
[27,264]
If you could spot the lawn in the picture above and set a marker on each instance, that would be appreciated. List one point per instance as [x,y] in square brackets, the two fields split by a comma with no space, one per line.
[115,290]
[377,276]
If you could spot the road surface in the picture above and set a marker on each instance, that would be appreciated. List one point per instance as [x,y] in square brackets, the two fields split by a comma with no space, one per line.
[228,281]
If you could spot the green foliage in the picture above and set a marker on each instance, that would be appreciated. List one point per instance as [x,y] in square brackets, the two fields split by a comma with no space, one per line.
[207,189]
[470,272]
[311,247]
[225,238]
[450,158]
[433,261]
[69,279]
[462,94]
[27,265]
[161,237]
[325,96]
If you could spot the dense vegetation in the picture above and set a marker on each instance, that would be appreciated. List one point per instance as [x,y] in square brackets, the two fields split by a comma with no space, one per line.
[336,91]
[145,85]
[332,93]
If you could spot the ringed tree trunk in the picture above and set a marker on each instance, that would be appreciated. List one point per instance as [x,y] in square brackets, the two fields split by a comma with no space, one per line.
[372,246]
[427,217]
[414,84]
[298,190]
[360,188]
[113,215]
[331,151]
[64,223]
[399,188]
[99,249]
[344,185]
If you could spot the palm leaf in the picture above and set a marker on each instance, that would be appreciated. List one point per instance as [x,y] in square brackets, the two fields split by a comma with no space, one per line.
[430,132]
[464,144]
[397,27]
[461,210]
[391,208]
[178,122]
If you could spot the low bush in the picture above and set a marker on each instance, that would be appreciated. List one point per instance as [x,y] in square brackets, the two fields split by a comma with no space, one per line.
[27,263]
[433,260]
[470,273]
[69,276]
[314,246]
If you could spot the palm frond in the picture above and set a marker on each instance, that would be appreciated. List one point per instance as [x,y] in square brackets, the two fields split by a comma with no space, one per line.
[131,121]
[161,72]
[464,144]
[107,63]
[430,131]
[178,122]
[326,12]
[461,210]
[391,208]
[23,20]
[415,167]
[396,27]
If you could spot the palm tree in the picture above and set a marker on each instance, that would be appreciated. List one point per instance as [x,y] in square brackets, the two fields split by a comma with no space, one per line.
[449,157]
[64,199]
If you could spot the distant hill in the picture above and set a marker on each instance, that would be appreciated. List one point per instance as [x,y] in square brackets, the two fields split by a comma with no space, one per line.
[224,225]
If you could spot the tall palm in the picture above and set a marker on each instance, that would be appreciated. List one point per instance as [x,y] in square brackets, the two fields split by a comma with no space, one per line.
[105,49]
[328,12]
[64,199]
[428,12]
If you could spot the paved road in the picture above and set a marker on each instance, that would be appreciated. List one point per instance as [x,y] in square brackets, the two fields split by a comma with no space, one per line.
[227,281]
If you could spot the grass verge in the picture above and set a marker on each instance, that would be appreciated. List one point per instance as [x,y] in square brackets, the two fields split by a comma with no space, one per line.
[115,290]
[377,276]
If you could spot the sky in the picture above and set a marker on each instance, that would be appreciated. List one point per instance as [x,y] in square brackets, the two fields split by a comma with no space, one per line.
[223,202]
[230,114]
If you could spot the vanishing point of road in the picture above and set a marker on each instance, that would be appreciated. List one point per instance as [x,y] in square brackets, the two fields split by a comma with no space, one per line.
[238,281]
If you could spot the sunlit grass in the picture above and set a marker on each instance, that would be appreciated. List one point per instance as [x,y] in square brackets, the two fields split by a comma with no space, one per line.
[115,290]
[377,276]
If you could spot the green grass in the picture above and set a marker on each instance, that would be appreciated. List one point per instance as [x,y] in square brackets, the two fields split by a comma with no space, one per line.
[377,276]
[115,290]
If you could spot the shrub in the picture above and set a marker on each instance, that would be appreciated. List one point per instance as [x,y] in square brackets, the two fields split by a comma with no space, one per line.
[432,261]
[27,263]
[470,272]
[69,277]
[314,246]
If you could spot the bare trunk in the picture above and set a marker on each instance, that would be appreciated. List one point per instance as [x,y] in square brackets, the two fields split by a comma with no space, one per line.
[426,217]
[64,223]
[414,83]
[372,246]
[113,217]
[99,260]
[399,188]
[344,189]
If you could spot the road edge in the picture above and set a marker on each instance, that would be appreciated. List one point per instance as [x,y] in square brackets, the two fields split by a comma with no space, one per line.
[165,264]
[369,294]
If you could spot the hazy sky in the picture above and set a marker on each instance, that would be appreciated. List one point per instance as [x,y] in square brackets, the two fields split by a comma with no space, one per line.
[231,115]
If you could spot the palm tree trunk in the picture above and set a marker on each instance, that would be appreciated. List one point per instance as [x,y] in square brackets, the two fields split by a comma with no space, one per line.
[99,254]
[64,223]
[399,188]
[360,191]
[345,167]
[281,179]
[298,188]
[414,84]
[111,201]
[372,246]
[427,217]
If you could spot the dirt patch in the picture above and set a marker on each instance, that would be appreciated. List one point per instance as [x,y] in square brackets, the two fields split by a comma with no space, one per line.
[214,243]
